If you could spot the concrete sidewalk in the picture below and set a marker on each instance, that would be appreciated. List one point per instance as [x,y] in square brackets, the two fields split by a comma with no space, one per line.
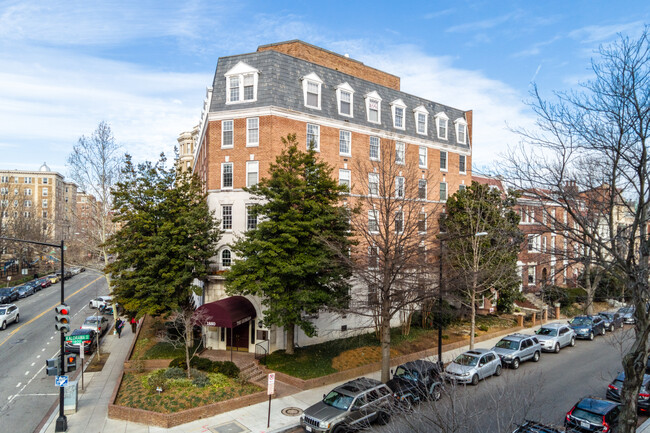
[92,411]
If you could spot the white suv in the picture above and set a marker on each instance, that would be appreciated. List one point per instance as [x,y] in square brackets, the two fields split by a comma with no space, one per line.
[100,301]
[8,313]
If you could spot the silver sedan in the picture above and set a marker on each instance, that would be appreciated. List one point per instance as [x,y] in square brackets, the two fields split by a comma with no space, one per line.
[555,336]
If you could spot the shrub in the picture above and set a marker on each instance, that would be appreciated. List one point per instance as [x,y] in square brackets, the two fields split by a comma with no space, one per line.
[138,365]
[156,380]
[202,364]
[180,382]
[219,380]
[175,373]
[200,379]
[228,369]
[178,363]
[483,328]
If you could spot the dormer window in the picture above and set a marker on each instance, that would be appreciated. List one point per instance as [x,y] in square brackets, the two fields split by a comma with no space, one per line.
[311,87]
[241,84]
[421,117]
[345,99]
[398,108]
[442,125]
[373,107]
[461,131]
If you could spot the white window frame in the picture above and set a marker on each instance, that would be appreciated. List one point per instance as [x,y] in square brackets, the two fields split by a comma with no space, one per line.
[398,103]
[45,192]
[249,128]
[223,129]
[252,167]
[232,172]
[221,258]
[400,154]
[373,96]
[248,217]
[223,217]
[416,112]
[317,141]
[28,191]
[370,146]
[464,159]
[426,187]
[373,215]
[399,216]
[343,132]
[44,202]
[313,79]
[345,87]
[420,220]
[446,191]
[373,178]
[446,167]
[345,175]
[532,274]
[461,125]
[241,70]
[442,119]
[400,187]
[423,160]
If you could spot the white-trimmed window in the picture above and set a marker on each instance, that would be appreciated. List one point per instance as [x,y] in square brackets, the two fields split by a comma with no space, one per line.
[461,164]
[345,99]
[422,157]
[344,143]
[344,178]
[399,186]
[253,131]
[227,134]
[373,263]
[373,184]
[226,258]
[252,173]
[375,149]
[241,84]
[313,137]
[422,222]
[27,214]
[461,187]
[398,109]
[28,203]
[45,181]
[442,125]
[531,275]
[443,160]
[28,191]
[421,119]
[251,219]
[461,131]
[4,191]
[422,189]
[44,214]
[226,175]
[373,107]
[45,192]
[443,191]
[4,179]
[29,180]
[311,89]
[533,243]
[399,221]
[373,224]
[44,202]
[400,152]
[226,217]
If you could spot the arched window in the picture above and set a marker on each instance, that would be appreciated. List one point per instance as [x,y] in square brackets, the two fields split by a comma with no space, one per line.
[226,258]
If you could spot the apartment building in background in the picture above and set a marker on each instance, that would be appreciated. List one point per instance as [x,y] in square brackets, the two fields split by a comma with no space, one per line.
[348,112]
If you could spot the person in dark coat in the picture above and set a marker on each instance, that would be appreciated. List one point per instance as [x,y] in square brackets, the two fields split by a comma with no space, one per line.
[118,327]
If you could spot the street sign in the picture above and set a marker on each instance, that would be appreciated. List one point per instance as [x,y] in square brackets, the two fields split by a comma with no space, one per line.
[75,339]
[271,387]
[61,381]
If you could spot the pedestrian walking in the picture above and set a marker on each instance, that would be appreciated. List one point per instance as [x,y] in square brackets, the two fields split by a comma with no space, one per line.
[134,324]
[118,327]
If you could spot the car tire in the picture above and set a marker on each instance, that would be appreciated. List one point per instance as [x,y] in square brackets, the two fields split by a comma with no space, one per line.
[603,331]
[536,357]
[4,326]
[436,392]
[621,324]
[475,380]
[573,342]
[498,371]
[611,328]
[339,429]
[591,336]
[515,364]
[383,418]
[17,318]
[90,305]
[556,349]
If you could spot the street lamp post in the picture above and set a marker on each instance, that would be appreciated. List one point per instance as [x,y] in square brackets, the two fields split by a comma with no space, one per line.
[440,290]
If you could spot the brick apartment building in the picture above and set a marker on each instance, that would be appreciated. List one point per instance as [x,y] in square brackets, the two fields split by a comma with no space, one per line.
[349,111]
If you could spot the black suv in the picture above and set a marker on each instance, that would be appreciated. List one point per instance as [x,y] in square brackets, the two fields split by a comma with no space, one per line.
[643,402]
[593,415]
[9,295]
[416,381]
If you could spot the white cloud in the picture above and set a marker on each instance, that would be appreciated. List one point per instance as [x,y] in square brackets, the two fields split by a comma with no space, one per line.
[601,33]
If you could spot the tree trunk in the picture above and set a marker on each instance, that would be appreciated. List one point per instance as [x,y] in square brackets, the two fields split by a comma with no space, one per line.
[187,361]
[189,336]
[290,338]
[472,325]
[385,345]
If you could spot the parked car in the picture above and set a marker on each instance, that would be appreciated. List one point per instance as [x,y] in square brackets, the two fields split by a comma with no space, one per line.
[416,381]
[351,406]
[554,336]
[535,427]
[614,391]
[8,313]
[25,291]
[8,295]
[588,326]
[628,314]
[516,348]
[45,282]
[90,344]
[100,301]
[96,323]
[473,365]
[34,284]
[75,271]
[593,415]
[54,278]
[612,320]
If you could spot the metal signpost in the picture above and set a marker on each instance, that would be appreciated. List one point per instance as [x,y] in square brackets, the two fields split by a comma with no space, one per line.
[270,391]
[82,351]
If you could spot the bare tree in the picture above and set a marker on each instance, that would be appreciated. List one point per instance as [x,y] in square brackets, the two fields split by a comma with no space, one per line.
[594,142]
[393,220]
[180,332]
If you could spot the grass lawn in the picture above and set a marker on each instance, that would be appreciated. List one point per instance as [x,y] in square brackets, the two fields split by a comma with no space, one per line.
[180,395]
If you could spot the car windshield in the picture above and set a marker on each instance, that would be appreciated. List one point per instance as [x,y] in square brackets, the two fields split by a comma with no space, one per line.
[5,292]
[339,401]
[465,359]
[547,331]
[406,374]
[626,310]
[581,321]
[508,344]
[593,418]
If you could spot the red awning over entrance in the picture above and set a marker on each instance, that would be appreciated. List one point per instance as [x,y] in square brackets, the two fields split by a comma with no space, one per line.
[228,312]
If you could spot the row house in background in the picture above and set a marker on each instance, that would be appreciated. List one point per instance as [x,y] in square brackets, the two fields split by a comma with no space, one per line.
[347,112]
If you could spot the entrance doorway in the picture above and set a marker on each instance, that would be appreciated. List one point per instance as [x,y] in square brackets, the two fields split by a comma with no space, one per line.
[239,340]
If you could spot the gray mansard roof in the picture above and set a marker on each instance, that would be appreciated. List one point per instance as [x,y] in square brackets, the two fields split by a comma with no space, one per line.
[280,85]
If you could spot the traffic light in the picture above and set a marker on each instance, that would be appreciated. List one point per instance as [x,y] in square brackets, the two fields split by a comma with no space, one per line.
[52,366]
[70,362]
[62,318]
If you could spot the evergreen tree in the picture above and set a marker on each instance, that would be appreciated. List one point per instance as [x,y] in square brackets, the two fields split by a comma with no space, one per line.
[291,259]
[166,238]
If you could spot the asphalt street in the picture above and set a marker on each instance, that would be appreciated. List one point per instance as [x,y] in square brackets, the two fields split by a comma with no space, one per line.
[26,393]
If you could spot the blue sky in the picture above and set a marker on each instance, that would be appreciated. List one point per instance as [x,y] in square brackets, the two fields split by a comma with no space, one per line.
[143,66]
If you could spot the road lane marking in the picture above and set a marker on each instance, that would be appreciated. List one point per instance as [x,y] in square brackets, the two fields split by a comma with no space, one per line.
[33,364]
[26,373]
[48,310]
[19,383]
